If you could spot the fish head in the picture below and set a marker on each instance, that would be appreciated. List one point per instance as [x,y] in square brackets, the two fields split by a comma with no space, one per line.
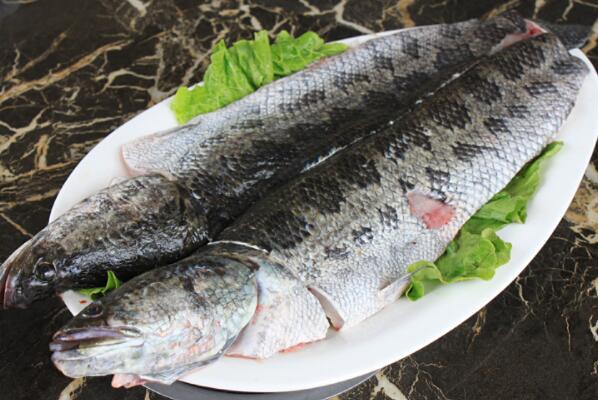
[31,272]
[105,232]
[97,342]
[115,338]
[156,326]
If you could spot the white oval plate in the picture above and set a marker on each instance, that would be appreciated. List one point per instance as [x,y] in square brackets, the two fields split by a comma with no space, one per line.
[398,330]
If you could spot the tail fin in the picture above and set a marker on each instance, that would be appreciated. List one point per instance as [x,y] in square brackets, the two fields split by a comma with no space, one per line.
[159,152]
[571,35]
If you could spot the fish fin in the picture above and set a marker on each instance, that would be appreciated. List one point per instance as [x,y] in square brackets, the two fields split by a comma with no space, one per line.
[127,380]
[432,212]
[328,304]
[166,377]
[572,36]
[390,291]
[287,315]
[160,151]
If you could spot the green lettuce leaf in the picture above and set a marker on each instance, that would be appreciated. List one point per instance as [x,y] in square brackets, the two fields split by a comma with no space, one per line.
[477,251]
[291,55]
[246,66]
[112,282]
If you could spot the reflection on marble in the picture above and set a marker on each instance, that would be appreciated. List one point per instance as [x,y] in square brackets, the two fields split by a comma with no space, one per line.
[73,70]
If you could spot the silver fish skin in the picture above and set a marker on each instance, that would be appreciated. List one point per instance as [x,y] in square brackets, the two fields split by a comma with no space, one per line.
[128,228]
[350,226]
[346,229]
[171,320]
[230,158]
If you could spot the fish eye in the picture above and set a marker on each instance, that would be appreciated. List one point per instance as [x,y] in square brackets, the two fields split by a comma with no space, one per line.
[45,270]
[93,310]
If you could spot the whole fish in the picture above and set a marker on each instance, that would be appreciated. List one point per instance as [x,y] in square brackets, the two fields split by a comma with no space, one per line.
[229,158]
[342,233]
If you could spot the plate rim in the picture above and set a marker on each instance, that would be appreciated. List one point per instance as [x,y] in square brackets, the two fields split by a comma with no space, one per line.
[386,359]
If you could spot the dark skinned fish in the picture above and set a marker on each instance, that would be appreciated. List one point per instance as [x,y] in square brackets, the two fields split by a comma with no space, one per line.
[342,233]
[95,236]
[230,158]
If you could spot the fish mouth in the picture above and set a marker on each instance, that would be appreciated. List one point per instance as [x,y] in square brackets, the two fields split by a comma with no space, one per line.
[81,342]
[9,277]
[7,284]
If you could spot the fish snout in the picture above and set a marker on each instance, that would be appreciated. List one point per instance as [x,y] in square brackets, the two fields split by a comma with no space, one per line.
[71,338]
[9,291]
[20,282]
[18,290]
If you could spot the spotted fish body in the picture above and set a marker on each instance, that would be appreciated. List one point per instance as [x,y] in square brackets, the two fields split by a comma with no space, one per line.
[350,226]
[173,319]
[232,157]
[335,241]
[229,158]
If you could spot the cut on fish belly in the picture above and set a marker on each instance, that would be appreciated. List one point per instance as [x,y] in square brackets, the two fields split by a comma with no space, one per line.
[228,159]
[344,229]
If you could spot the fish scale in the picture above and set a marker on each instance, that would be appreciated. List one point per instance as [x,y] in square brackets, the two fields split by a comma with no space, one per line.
[346,193]
[335,241]
[228,159]
[231,157]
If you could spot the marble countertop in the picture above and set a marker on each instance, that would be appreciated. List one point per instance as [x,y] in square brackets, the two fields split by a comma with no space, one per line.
[73,70]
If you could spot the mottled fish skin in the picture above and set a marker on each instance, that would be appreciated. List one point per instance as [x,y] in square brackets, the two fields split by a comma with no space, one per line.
[161,324]
[231,157]
[346,229]
[129,227]
[171,320]
[571,35]
[350,226]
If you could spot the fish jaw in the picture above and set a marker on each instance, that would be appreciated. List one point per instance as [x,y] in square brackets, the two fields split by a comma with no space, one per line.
[94,351]
[20,283]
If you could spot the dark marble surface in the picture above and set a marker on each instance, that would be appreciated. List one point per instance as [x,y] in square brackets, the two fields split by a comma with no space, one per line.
[73,70]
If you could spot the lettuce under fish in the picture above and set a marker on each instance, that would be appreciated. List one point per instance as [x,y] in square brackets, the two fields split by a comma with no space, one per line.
[112,282]
[236,71]
[477,251]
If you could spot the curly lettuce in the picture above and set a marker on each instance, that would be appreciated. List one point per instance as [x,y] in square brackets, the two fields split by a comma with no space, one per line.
[236,71]
[112,282]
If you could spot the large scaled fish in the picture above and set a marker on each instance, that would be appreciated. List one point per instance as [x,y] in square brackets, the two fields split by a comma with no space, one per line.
[227,159]
[334,243]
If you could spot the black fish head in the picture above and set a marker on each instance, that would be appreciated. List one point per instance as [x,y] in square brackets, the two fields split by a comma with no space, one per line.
[31,272]
[128,227]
